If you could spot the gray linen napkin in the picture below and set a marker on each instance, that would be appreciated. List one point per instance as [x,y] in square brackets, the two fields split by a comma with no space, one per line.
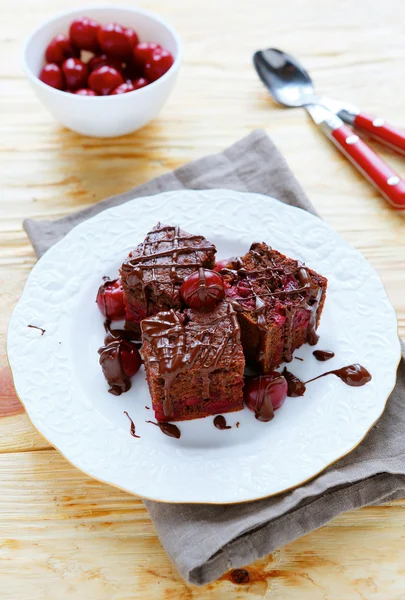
[204,541]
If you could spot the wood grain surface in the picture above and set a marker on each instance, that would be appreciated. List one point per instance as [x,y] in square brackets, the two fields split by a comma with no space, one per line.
[63,535]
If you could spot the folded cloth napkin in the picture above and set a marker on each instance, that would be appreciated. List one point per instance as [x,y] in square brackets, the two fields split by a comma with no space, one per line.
[204,541]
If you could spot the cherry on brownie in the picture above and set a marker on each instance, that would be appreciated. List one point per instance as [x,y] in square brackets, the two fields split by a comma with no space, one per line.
[153,273]
[278,301]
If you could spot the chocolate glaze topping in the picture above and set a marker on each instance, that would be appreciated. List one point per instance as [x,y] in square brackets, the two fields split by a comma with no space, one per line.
[147,259]
[168,429]
[132,429]
[220,422]
[166,332]
[306,296]
[35,327]
[323,355]
[110,357]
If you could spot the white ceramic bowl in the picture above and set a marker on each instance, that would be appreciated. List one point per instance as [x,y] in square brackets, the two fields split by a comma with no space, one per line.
[104,116]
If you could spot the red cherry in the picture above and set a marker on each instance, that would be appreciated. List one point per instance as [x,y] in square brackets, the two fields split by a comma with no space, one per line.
[85,92]
[102,60]
[202,289]
[142,52]
[140,83]
[130,358]
[116,40]
[265,394]
[158,64]
[59,49]
[52,75]
[132,38]
[104,80]
[124,88]
[84,34]
[110,299]
[75,72]
[221,264]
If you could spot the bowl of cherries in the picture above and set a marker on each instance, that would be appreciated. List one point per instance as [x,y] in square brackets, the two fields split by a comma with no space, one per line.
[103,72]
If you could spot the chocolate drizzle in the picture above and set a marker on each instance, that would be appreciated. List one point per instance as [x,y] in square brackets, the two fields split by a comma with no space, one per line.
[39,328]
[132,428]
[264,408]
[323,355]
[167,428]
[178,342]
[354,375]
[220,422]
[148,255]
[110,357]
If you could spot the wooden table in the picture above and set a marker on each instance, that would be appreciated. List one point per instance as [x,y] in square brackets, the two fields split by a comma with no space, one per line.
[64,535]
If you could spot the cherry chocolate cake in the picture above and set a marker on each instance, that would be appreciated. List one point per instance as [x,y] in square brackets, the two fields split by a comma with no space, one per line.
[199,321]
[194,362]
[153,273]
[279,303]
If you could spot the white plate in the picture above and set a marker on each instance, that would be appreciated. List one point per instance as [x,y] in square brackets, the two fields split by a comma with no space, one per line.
[58,378]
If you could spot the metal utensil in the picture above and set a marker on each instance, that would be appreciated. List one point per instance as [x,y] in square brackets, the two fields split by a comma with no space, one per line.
[290,85]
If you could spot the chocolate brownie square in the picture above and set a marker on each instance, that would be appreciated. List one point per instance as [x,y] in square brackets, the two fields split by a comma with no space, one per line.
[279,304]
[152,274]
[194,362]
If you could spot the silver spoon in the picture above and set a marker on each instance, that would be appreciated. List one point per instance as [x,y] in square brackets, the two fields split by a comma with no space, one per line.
[287,81]
[290,85]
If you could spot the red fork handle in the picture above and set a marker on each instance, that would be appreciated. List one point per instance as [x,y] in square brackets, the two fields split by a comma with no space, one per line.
[385,179]
[381,130]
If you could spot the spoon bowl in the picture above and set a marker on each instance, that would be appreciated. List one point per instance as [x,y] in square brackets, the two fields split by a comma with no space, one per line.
[285,78]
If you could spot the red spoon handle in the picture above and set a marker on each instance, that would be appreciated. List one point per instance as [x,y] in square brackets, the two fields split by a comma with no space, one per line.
[385,179]
[381,130]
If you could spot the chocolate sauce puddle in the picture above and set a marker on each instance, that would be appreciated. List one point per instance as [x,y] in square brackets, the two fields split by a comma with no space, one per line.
[354,375]
[35,327]
[220,422]
[323,355]
[132,429]
[167,428]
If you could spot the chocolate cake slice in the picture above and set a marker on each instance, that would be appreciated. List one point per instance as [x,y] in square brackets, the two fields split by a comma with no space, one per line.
[194,362]
[152,274]
[279,304]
